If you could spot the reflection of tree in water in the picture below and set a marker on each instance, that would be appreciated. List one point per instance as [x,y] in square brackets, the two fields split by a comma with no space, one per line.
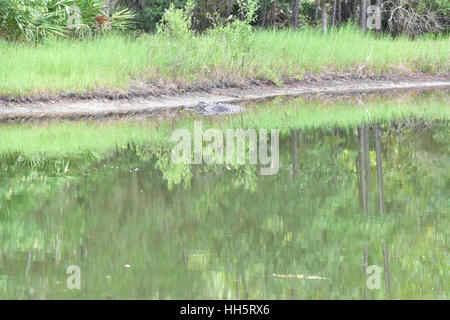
[294,137]
[364,191]
[364,169]
[216,239]
[379,168]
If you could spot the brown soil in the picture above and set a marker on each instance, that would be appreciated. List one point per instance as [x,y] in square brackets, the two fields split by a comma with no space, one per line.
[151,102]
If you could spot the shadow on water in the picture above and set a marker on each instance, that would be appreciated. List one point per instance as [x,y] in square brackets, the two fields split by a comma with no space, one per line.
[343,201]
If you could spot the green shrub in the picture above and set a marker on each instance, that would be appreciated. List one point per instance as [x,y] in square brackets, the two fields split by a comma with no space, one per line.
[152,12]
[32,20]
[35,20]
[176,23]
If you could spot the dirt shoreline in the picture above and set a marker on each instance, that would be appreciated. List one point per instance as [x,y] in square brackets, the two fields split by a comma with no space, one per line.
[150,104]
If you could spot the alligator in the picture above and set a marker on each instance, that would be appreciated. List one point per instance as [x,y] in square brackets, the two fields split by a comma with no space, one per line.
[213,108]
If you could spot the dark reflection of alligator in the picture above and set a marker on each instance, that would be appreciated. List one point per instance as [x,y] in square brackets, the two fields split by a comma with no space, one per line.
[212,108]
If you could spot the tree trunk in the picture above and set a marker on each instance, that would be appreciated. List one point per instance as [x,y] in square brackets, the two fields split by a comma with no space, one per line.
[339,13]
[272,15]
[264,14]
[363,14]
[228,4]
[195,24]
[333,17]
[354,9]
[316,13]
[324,16]
[295,14]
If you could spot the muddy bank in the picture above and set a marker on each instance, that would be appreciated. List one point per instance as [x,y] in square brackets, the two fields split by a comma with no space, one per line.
[168,104]
[144,90]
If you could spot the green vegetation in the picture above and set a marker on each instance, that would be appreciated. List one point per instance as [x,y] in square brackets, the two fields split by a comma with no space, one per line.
[360,182]
[221,57]
[134,238]
[226,51]
[104,196]
[71,138]
[37,20]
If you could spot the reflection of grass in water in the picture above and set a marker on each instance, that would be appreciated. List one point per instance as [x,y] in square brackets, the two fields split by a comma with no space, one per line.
[201,241]
[287,114]
[182,244]
[71,138]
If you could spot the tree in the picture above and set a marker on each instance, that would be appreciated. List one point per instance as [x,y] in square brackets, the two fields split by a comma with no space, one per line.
[339,13]
[333,17]
[413,18]
[264,14]
[379,168]
[295,13]
[316,13]
[324,16]
[363,14]
[228,5]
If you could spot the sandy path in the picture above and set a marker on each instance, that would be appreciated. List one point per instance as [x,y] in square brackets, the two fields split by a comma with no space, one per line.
[154,105]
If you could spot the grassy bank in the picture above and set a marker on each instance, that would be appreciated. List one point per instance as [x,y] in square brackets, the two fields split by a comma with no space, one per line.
[120,62]
[71,138]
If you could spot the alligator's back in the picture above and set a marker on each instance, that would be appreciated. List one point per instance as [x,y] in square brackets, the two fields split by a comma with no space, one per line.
[212,108]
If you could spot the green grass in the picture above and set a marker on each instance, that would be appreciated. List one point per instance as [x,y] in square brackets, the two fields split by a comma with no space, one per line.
[71,138]
[118,62]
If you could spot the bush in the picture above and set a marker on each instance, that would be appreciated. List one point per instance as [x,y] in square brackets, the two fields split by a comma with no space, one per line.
[414,18]
[35,20]
[239,33]
[176,23]
[32,20]
[152,12]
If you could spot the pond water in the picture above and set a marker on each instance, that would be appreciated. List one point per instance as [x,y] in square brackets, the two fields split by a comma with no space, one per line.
[345,200]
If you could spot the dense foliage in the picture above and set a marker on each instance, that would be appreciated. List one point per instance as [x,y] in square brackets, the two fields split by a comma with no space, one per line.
[409,17]
[34,20]
[230,225]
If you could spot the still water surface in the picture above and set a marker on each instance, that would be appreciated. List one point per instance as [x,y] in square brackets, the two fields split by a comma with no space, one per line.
[343,200]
